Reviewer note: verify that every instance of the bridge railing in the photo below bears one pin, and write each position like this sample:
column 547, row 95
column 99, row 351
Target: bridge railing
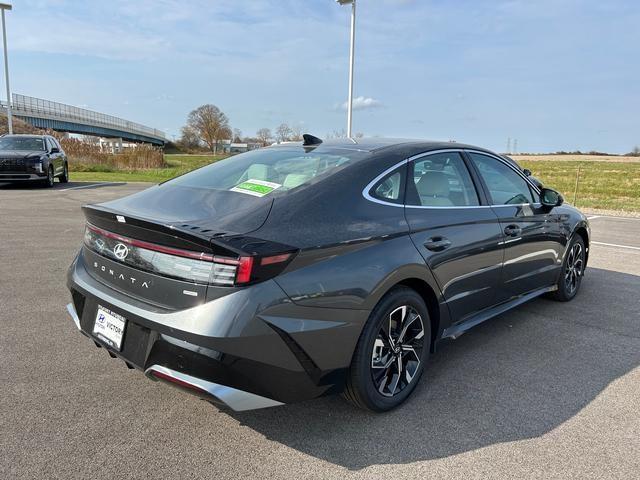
column 47, row 108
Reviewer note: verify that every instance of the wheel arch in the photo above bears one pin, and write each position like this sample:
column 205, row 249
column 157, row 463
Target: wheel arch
column 431, row 300
column 581, row 228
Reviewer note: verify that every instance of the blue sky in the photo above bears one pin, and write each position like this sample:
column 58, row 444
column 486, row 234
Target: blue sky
column 555, row 74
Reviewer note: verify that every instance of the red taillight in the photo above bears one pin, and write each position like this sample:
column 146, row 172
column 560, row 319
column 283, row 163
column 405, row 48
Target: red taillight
column 243, row 271
column 275, row 259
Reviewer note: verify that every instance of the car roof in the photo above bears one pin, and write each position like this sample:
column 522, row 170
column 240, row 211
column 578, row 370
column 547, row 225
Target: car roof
column 374, row 144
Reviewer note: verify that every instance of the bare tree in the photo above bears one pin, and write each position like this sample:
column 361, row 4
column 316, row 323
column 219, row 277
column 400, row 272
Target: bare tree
column 189, row 139
column 283, row 132
column 338, row 134
column 237, row 135
column 210, row 124
column 264, row 135
column 296, row 133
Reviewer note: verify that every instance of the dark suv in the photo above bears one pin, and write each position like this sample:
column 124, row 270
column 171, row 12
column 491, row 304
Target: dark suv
column 32, row 158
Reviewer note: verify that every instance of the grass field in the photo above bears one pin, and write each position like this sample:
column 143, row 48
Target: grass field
column 606, row 183
column 177, row 165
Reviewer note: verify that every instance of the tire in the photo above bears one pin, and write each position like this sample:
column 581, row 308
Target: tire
column 372, row 381
column 64, row 178
column 48, row 182
column 572, row 271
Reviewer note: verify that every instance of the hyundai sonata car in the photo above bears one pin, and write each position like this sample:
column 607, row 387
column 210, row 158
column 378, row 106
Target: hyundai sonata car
column 296, row 271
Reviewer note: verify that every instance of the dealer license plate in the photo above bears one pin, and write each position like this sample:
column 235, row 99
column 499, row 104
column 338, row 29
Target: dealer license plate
column 109, row 327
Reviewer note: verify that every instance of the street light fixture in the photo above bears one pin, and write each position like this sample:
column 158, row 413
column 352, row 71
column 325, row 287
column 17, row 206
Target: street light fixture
column 351, row 56
column 3, row 7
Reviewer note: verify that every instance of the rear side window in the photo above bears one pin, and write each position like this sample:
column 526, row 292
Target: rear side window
column 390, row 188
column 271, row 170
column 505, row 186
column 441, row 180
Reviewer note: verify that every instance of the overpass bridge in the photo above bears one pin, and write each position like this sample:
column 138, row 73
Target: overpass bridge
column 66, row 118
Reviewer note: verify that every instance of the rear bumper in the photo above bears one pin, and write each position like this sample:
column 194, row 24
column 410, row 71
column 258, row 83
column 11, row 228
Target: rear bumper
column 250, row 349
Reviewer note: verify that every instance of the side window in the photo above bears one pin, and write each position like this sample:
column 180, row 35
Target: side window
column 441, row 180
column 505, row 186
column 390, row 188
column 47, row 144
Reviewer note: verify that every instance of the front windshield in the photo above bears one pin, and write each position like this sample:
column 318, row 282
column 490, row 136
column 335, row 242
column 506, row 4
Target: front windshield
column 262, row 171
column 22, row 143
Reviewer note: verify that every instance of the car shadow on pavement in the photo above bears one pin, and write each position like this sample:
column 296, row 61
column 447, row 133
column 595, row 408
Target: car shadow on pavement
column 512, row 378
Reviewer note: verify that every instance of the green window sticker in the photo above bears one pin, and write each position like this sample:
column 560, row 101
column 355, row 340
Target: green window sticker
column 257, row 188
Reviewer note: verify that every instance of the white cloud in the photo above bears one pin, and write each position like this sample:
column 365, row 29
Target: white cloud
column 362, row 103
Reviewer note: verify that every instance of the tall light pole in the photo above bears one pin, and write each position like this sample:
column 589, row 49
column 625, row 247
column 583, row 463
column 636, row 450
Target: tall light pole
column 3, row 7
column 351, row 57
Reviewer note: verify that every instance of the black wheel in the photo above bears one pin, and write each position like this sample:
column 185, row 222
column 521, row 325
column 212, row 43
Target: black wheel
column 64, row 178
column 48, row 182
column 391, row 353
column 572, row 271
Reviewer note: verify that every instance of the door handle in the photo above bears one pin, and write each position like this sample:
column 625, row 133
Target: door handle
column 437, row 244
column 512, row 230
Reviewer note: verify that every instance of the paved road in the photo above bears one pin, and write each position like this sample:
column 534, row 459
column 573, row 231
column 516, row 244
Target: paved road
column 546, row 391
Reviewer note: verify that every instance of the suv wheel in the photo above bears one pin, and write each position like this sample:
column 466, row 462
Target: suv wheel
column 572, row 271
column 48, row 182
column 391, row 353
column 64, row 178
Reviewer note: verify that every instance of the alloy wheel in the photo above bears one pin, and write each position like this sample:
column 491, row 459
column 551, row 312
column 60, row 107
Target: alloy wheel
column 573, row 268
column 397, row 351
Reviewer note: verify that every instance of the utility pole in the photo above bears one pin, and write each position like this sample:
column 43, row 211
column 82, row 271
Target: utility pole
column 351, row 60
column 3, row 7
column 509, row 145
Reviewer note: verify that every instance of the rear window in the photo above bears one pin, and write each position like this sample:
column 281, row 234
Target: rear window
column 269, row 171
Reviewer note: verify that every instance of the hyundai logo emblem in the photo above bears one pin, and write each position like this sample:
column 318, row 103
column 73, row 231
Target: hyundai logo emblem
column 121, row 251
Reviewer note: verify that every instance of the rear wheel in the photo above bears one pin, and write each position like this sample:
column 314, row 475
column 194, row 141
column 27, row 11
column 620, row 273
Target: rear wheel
column 572, row 271
column 64, row 178
column 391, row 353
column 48, row 182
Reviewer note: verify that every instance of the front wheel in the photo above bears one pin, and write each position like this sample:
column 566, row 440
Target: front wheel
column 572, row 271
column 391, row 353
column 64, row 178
column 48, row 182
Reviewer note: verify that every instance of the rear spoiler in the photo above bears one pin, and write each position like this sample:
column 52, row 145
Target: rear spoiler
column 191, row 237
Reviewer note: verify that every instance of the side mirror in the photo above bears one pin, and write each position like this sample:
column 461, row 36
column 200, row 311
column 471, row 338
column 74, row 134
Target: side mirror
column 527, row 172
column 550, row 198
column 55, row 150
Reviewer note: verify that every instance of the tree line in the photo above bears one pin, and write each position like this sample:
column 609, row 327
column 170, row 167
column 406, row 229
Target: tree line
column 207, row 126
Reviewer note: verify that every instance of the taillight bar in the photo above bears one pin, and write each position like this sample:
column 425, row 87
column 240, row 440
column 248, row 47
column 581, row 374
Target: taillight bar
column 162, row 249
column 247, row 268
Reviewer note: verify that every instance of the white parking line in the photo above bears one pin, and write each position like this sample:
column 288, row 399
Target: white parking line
column 595, row 216
column 615, row 245
column 98, row 184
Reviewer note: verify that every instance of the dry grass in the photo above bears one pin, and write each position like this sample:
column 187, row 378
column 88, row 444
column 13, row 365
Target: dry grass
column 87, row 157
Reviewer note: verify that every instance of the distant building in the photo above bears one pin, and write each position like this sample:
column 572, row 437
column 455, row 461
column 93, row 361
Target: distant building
column 227, row 146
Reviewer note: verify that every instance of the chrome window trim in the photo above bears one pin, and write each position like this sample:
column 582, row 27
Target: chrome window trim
column 370, row 185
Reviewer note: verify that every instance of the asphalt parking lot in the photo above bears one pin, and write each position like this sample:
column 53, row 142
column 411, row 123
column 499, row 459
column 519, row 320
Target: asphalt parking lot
column 548, row 390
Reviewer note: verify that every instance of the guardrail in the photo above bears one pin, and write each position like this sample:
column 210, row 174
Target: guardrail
column 25, row 105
